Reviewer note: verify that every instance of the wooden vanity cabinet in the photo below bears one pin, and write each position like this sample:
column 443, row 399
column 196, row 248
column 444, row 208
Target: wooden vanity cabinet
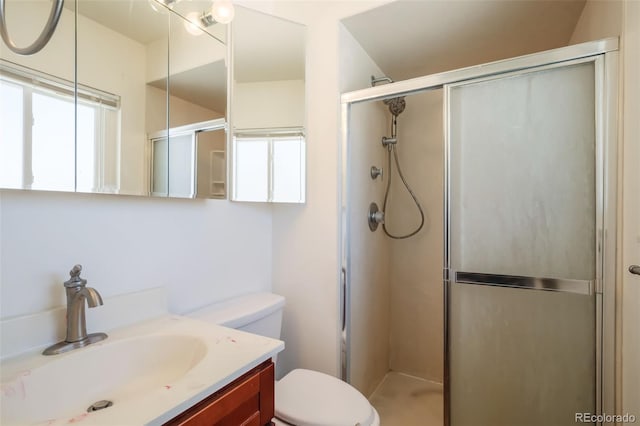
column 247, row 401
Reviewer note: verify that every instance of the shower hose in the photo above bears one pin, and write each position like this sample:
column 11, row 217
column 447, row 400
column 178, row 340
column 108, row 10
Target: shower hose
column 392, row 149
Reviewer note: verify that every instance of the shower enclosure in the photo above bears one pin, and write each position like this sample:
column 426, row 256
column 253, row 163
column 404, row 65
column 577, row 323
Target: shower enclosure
column 514, row 310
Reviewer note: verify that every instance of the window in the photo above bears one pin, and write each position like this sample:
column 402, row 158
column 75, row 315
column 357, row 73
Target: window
column 269, row 167
column 49, row 141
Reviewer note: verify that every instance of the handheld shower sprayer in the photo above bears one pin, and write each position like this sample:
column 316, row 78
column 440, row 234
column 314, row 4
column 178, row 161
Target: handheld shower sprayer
column 396, row 107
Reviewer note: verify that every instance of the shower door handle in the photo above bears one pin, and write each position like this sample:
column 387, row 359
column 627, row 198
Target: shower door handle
column 343, row 297
column 634, row 269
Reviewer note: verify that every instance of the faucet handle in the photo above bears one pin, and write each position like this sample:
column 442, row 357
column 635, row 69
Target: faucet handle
column 75, row 280
column 75, row 271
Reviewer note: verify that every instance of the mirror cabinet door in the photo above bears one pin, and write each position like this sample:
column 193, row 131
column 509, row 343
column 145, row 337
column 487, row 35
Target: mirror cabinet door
column 197, row 105
column 37, row 111
column 268, row 108
column 122, row 49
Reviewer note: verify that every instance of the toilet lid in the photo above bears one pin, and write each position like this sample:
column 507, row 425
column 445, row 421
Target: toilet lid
column 311, row 398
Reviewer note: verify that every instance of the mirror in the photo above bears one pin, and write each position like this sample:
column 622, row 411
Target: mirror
column 145, row 76
column 30, row 87
column 142, row 72
column 268, row 108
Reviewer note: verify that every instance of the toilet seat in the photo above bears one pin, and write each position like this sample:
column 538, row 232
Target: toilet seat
column 311, row 398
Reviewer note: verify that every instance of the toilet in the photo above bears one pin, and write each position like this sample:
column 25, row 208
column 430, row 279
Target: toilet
column 302, row 397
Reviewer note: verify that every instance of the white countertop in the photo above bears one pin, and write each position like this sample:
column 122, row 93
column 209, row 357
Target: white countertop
column 229, row 354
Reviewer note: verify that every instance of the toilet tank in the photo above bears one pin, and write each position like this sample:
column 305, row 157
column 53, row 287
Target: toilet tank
column 258, row 313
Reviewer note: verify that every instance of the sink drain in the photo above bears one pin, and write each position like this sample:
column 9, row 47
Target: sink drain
column 100, row 405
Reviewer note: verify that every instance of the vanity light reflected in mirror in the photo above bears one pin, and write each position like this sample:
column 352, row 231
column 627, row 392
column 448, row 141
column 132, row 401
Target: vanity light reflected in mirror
column 221, row 12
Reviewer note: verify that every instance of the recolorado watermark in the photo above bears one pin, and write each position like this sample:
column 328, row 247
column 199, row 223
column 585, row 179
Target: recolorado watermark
column 604, row 418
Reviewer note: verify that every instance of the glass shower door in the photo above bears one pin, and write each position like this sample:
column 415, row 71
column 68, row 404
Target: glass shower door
column 522, row 261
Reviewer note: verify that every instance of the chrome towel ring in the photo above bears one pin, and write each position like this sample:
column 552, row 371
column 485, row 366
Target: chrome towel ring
column 43, row 38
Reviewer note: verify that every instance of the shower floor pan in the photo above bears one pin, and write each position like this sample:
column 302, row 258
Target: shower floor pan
column 403, row 400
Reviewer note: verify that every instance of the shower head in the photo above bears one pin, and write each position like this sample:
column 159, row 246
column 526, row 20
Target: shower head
column 396, row 105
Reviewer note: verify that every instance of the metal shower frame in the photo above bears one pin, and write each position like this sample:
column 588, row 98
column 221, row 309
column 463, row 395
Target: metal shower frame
column 605, row 53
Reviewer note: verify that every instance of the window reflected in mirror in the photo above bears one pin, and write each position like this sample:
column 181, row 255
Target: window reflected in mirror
column 268, row 108
column 269, row 167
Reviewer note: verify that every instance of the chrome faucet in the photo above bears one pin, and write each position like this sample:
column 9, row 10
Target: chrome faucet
column 77, row 293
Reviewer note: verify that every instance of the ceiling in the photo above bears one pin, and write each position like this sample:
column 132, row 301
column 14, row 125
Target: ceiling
column 266, row 48
column 138, row 20
column 411, row 38
column 204, row 85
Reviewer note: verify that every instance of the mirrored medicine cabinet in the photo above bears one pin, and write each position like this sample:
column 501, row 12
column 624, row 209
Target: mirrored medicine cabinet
column 130, row 97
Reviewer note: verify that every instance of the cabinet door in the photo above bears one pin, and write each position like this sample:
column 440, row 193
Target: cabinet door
column 248, row 401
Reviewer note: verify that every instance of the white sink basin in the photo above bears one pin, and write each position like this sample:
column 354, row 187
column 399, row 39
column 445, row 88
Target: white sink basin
column 151, row 371
column 117, row 370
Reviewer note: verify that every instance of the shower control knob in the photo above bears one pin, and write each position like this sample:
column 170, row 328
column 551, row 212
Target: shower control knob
column 375, row 172
column 374, row 217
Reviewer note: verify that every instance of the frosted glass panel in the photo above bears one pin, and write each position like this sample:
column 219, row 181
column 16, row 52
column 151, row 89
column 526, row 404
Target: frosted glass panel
column 523, row 174
column 174, row 167
column 181, row 166
column 288, row 170
column 520, row 357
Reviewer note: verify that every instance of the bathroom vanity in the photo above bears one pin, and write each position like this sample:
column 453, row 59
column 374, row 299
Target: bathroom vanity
column 165, row 370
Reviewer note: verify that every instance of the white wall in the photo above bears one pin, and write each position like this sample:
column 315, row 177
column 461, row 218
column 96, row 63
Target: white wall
column 599, row 19
column 306, row 259
column 200, row 250
column 368, row 265
column 182, row 112
column 265, row 104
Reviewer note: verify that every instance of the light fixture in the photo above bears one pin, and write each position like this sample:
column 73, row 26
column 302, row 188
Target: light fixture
column 222, row 11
